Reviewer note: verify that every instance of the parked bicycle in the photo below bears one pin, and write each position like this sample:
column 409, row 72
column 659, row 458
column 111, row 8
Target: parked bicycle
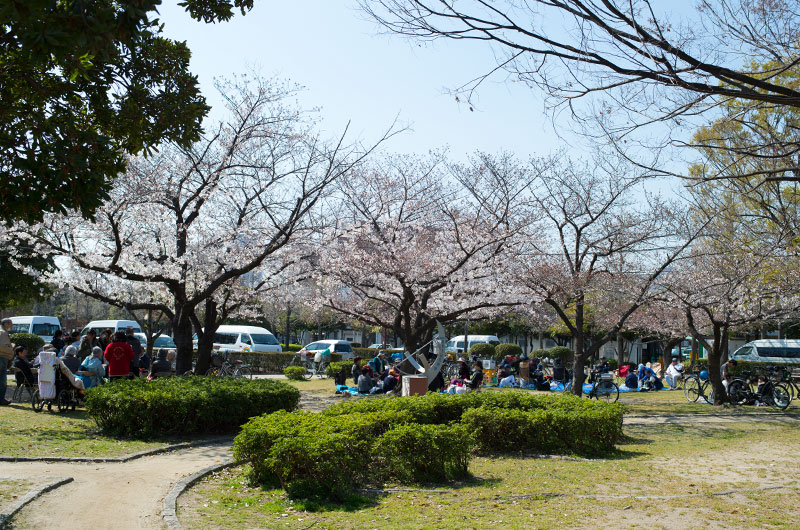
column 312, row 366
column 222, row 367
column 697, row 386
column 603, row 387
column 740, row 392
column 785, row 378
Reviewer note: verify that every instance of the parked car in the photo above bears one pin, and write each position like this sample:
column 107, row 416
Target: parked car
column 338, row 346
column 456, row 344
column 116, row 325
column 45, row 327
column 379, row 346
column 162, row 341
column 355, row 344
column 245, row 338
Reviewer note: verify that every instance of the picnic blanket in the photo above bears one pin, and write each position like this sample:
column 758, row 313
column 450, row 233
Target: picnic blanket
column 353, row 390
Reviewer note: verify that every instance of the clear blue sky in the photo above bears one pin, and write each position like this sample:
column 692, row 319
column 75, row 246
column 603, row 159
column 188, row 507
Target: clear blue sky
column 354, row 73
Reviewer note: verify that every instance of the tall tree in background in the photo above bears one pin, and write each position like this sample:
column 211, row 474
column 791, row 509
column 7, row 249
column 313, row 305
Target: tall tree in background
column 605, row 247
column 415, row 247
column 196, row 231
column 82, row 83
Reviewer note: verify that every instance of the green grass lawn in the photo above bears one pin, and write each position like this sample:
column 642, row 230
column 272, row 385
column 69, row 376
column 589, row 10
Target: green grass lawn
column 323, row 387
column 679, row 467
column 24, row 432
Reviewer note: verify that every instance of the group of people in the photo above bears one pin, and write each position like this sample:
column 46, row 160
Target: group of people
column 374, row 377
column 91, row 359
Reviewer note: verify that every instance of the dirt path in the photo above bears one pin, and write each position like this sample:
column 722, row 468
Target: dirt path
column 112, row 495
column 682, row 419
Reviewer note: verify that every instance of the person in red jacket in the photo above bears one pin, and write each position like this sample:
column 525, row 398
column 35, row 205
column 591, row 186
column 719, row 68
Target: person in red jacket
column 119, row 355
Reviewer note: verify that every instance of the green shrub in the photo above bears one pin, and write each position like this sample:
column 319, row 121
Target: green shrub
column 295, row 373
column 482, row 349
column 560, row 352
column 539, row 354
column 311, row 456
column 185, row 405
column 294, row 347
column 336, row 367
column 32, row 342
column 419, row 439
column 502, row 350
column 613, row 364
column 426, row 453
column 369, row 353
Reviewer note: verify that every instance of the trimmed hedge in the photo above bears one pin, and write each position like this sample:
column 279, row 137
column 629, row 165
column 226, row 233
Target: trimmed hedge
column 539, row 354
column 560, row 352
column 336, row 367
column 185, row 405
column 33, row 342
column 295, row 373
column 420, row 439
column 369, row 353
column 503, row 350
column 482, row 349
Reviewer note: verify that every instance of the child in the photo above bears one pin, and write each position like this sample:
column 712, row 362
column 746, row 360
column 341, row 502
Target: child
column 762, row 391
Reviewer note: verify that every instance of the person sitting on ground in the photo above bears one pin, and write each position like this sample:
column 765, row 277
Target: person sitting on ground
column 70, row 359
column 91, row 370
column 365, row 380
column 559, row 372
column 727, row 372
column 463, row 370
column 763, row 397
column 390, row 381
column 356, row 370
column 87, row 344
column 674, row 373
column 58, row 342
column 161, row 365
column 632, row 380
column 477, row 376
column 24, row 368
column 505, row 378
column 648, row 380
column 119, row 355
column 171, row 358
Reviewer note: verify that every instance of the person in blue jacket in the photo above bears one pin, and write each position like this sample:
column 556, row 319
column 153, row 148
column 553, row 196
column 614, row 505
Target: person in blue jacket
column 648, row 379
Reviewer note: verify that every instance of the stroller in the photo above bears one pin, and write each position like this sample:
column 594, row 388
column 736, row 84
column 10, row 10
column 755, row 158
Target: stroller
column 56, row 385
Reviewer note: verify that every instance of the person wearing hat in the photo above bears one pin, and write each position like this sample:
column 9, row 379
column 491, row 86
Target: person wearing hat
column 87, row 344
column 379, row 364
column 6, row 354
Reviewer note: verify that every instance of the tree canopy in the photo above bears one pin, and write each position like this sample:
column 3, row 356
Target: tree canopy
column 83, row 83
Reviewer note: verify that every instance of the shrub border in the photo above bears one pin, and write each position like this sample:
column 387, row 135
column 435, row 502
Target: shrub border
column 31, row 496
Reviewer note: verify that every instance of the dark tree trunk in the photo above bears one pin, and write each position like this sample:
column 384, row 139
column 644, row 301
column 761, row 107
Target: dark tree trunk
column 182, row 332
column 714, row 365
column 580, row 354
column 620, row 349
column 205, row 337
column 287, row 340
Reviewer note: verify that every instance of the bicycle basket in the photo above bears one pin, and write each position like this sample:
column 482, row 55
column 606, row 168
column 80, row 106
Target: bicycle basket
column 606, row 377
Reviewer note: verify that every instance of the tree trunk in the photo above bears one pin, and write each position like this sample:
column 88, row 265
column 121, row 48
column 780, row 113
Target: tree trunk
column 288, row 325
column 541, row 339
column 579, row 362
column 714, row 365
column 620, row 349
column 205, row 338
column 182, row 335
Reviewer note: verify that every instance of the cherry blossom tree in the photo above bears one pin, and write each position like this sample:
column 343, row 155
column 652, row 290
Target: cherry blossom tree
column 200, row 232
column 415, row 245
column 608, row 243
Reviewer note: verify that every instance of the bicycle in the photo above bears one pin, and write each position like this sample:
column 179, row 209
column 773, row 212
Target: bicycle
column 604, row 387
column 222, row 367
column 740, row 392
column 785, row 378
column 313, row 368
column 695, row 388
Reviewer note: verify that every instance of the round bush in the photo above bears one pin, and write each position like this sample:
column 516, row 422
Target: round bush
column 503, row 350
column 482, row 349
column 32, row 342
column 336, row 367
column 560, row 352
column 185, row 405
column 295, row 373
column 539, row 354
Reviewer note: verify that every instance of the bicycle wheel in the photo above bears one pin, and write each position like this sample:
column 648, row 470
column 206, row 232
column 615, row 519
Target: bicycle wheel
column 243, row 372
column 691, row 389
column 62, row 401
column 781, row 396
column 738, row 393
column 36, row 401
column 607, row 391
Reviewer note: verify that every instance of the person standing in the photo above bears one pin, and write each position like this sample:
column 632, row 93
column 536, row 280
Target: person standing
column 6, row 354
column 119, row 356
column 87, row 344
column 356, row 370
column 58, row 342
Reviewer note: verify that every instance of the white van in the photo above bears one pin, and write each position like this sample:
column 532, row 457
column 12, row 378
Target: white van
column 116, row 325
column 245, row 338
column 456, row 344
column 45, row 327
column 775, row 351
